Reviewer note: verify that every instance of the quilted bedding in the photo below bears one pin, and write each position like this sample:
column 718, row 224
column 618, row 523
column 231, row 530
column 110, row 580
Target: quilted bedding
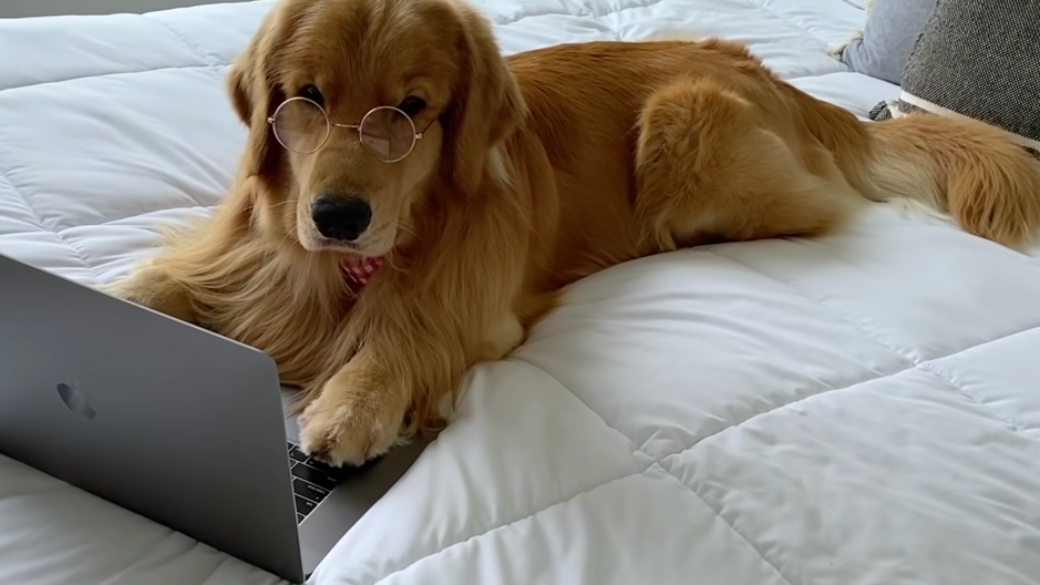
column 862, row 409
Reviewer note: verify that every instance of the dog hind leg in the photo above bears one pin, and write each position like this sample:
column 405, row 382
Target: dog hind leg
column 711, row 166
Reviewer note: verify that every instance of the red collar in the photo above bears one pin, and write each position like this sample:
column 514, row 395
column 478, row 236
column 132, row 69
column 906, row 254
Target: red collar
column 358, row 270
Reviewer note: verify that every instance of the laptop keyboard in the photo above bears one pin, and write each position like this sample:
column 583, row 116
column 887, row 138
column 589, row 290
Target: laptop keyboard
column 312, row 481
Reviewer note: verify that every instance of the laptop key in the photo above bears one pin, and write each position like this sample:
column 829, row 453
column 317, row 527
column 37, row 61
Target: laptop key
column 304, row 506
column 309, row 491
column 320, row 466
column 311, row 475
column 297, row 455
column 299, row 518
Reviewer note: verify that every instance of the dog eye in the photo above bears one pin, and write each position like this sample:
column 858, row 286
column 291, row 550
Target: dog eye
column 412, row 106
column 312, row 93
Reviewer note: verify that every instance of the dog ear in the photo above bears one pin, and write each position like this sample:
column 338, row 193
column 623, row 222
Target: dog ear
column 254, row 95
column 487, row 106
column 239, row 84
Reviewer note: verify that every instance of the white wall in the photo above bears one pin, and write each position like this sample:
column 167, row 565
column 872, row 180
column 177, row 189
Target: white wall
column 19, row 8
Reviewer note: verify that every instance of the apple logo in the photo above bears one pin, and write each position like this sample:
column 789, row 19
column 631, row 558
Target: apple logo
column 76, row 400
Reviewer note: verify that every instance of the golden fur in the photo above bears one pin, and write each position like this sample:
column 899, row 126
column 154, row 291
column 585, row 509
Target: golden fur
column 537, row 170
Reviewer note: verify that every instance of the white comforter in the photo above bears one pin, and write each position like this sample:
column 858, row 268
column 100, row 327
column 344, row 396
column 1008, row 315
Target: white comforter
column 862, row 409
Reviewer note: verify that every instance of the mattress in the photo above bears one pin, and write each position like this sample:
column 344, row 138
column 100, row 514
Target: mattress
column 859, row 409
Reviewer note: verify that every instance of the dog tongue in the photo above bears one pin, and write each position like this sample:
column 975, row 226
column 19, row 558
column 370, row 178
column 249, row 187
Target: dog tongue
column 359, row 269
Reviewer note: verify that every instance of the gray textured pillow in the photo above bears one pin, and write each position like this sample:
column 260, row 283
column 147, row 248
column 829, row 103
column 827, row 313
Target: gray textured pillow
column 980, row 59
column 889, row 35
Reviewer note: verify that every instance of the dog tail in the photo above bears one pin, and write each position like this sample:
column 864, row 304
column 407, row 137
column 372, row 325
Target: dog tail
column 954, row 168
column 988, row 183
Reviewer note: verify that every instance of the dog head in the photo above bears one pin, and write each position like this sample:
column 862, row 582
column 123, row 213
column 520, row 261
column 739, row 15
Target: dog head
column 356, row 108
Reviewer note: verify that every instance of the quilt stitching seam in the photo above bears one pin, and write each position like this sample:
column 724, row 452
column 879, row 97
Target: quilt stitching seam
column 729, row 525
column 196, row 210
column 839, row 315
column 778, row 16
column 636, row 448
column 216, row 67
column 208, row 58
column 1015, row 425
column 506, row 525
column 866, row 333
column 580, row 12
column 80, row 255
column 924, row 366
column 795, row 402
column 670, row 454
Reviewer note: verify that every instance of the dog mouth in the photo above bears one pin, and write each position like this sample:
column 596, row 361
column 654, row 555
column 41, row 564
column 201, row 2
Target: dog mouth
column 325, row 244
column 321, row 244
column 369, row 246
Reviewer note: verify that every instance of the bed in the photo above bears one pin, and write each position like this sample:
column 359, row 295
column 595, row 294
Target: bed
column 860, row 409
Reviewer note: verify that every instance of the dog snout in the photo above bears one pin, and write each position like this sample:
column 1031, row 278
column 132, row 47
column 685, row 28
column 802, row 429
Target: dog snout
column 341, row 217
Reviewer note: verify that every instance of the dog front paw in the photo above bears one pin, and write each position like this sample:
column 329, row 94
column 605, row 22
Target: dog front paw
column 153, row 288
column 350, row 425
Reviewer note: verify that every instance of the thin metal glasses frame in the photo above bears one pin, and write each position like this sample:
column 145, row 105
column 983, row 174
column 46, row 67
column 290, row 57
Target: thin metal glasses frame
column 329, row 124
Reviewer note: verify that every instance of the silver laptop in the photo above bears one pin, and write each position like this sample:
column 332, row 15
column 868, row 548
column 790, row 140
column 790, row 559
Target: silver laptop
column 178, row 424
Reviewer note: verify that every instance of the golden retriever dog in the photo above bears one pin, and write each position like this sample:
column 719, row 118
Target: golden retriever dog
column 410, row 202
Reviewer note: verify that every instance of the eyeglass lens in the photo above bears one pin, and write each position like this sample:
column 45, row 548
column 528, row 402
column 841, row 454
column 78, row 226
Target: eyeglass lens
column 301, row 126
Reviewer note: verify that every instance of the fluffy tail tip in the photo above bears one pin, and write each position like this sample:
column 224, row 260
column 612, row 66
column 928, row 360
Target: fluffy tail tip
column 998, row 197
column 987, row 182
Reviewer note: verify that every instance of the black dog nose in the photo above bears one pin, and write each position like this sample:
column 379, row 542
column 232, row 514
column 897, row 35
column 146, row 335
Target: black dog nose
column 341, row 218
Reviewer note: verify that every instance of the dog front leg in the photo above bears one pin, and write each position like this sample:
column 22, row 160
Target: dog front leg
column 153, row 287
column 359, row 412
column 403, row 379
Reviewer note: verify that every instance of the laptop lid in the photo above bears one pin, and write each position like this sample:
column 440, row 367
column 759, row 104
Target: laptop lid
column 168, row 420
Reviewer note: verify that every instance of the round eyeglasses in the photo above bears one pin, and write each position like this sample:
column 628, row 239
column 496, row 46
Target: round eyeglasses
column 303, row 127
